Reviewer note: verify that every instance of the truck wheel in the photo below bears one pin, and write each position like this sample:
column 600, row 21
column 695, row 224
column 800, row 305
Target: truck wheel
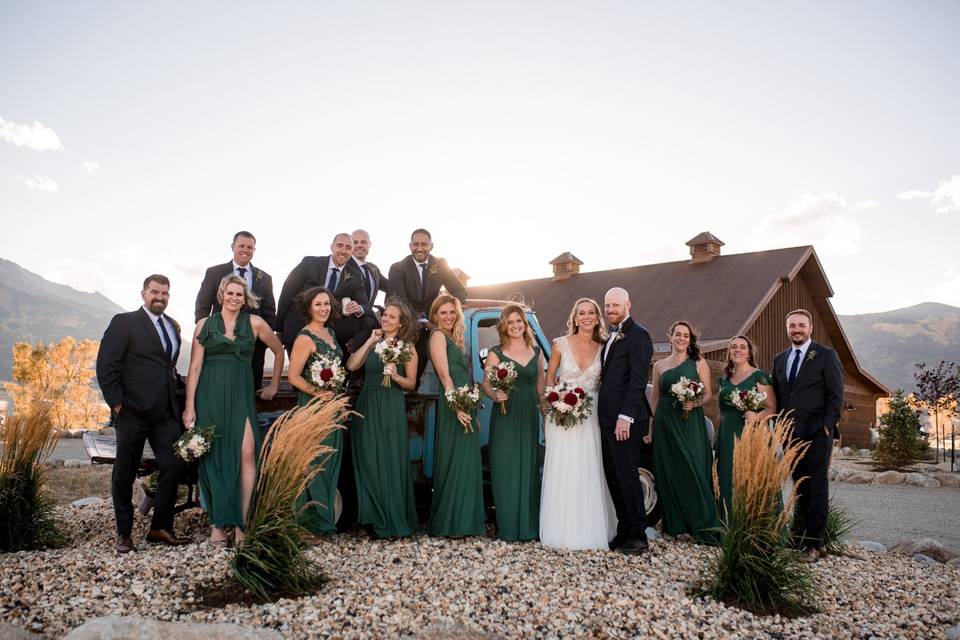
column 651, row 501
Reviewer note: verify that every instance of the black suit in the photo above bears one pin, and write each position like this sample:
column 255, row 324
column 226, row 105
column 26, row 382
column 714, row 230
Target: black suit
column 405, row 283
column 134, row 373
column 623, row 385
column 312, row 272
column 815, row 400
column 262, row 287
column 374, row 281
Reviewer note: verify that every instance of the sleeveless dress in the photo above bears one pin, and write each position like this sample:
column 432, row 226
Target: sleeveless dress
column 225, row 399
column 683, row 463
column 576, row 510
column 457, row 507
column 514, row 451
column 320, row 517
column 731, row 426
column 381, row 455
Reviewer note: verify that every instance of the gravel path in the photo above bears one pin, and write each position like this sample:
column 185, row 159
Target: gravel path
column 437, row 588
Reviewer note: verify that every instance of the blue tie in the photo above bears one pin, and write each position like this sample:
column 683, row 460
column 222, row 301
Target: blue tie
column 366, row 281
column 334, row 274
column 167, row 345
column 793, row 368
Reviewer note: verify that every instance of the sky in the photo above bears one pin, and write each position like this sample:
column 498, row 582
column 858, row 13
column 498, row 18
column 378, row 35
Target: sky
column 138, row 137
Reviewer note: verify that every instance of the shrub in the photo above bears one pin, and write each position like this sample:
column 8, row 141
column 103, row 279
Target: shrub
column 836, row 531
column 900, row 442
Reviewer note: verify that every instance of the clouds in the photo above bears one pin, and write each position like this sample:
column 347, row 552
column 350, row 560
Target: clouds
column 33, row 136
column 90, row 167
column 945, row 198
column 826, row 221
column 38, row 183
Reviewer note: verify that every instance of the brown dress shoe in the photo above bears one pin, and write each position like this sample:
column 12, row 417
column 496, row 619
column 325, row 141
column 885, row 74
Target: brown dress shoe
column 125, row 544
column 810, row 555
column 165, row 537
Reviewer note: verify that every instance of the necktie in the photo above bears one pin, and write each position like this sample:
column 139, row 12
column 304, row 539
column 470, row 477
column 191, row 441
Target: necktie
column 610, row 341
column 243, row 272
column 167, row 345
column 423, row 281
column 793, row 367
column 366, row 281
column 334, row 276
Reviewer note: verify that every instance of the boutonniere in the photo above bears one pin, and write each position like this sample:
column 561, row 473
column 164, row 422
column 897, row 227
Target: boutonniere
column 433, row 270
column 346, row 276
column 618, row 336
column 259, row 276
column 811, row 354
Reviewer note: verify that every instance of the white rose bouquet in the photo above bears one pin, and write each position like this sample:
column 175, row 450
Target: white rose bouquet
column 569, row 405
column 194, row 443
column 687, row 390
column 466, row 399
column 392, row 351
column 326, row 373
column 748, row 399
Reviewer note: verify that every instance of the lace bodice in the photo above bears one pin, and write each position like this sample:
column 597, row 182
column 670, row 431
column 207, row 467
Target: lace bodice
column 569, row 371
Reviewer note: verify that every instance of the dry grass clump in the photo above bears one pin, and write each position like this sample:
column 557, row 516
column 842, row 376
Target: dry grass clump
column 754, row 567
column 271, row 559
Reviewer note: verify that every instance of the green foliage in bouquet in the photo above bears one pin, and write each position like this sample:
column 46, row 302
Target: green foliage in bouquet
column 900, row 443
column 272, row 558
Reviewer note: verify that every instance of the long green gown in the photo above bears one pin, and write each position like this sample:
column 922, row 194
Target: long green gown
column 225, row 399
column 457, row 508
column 320, row 517
column 381, row 455
column 514, row 440
column 731, row 426
column 683, row 463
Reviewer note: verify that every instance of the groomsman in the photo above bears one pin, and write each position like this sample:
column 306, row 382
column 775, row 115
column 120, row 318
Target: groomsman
column 342, row 277
column 136, row 371
column 808, row 380
column 417, row 280
column 258, row 281
column 373, row 278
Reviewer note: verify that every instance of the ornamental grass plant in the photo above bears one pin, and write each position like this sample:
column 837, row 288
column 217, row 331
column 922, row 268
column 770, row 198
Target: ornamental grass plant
column 27, row 519
column 754, row 568
column 272, row 558
column 836, row 531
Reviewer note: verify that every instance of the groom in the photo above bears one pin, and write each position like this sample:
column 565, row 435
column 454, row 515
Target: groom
column 624, row 415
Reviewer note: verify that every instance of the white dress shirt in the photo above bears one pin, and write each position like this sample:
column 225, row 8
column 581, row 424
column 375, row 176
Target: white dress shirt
column 793, row 356
column 606, row 351
column 248, row 275
column 171, row 332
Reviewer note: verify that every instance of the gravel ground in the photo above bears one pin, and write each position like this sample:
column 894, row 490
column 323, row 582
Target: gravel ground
column 433, row 588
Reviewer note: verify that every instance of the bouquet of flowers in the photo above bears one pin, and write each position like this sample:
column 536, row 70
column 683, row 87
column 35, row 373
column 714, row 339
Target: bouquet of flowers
column 569, row 405
column 325, row 373
column 502, row 378
column 685, row 390
column 465, row 398
column 748, row 399
column 194, row 443
column 392, row 350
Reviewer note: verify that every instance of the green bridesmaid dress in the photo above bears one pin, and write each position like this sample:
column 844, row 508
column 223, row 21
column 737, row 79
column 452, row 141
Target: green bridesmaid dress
column 683, row 463
column 731, row 426
column 381, row 455
column 225, row 399
column 514, row 448
column 320, row 517
column 457, row 508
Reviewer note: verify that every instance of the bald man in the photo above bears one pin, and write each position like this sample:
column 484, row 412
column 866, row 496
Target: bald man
column 373, row 278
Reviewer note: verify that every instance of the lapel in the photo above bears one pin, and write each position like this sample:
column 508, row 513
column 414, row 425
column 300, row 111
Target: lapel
column 806, row 364
column 152, row 331
column 414, row 273
column 624, row 328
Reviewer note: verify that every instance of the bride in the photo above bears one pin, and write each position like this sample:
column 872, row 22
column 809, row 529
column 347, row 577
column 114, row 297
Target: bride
column 576, row 511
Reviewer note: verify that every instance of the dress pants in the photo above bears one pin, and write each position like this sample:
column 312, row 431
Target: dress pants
column 813, row 493
column 621, row 459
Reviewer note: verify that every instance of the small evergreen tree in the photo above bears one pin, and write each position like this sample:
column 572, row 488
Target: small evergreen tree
column 900, row 442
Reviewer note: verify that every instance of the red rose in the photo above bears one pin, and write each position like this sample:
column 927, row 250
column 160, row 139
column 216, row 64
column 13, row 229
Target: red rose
column 571, row 399
column 326, row 374
column 580, row 392
column 553, row 396
column 502, row 373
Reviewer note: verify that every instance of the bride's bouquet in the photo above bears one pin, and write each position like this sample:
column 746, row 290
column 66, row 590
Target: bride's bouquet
column 687, row 390
column 502, row 377
column 569, row 405
column 748, row 399
column 466, row 399
column 392, row 351
column 194, row 443
column 326, row 373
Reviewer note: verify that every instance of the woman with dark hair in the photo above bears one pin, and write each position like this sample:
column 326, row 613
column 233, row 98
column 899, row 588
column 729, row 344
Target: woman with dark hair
column 220, row 394
column 514, row 434
column 381, row 454
column 740, row 377
column 457, row 508
column 318, row 305
column 682, row 456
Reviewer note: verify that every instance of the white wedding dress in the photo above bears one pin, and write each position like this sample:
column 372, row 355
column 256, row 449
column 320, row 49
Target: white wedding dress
column 576, row 511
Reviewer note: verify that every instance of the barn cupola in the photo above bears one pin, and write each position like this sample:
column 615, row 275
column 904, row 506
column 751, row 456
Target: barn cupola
column 704, row 247
column 565, row 265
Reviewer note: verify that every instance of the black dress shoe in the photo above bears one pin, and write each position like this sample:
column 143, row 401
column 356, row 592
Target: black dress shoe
column 616, row 542
column 125, row 544
column 163, row 536
column 633, row 547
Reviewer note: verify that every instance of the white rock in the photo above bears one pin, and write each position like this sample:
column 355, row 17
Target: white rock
column 870, row 545
column 864, row 453
column 948, row 479
column 927, row 547
column 73, row 462
column 845, row 451
column 134, row 628
column 84, row 502
column 890, row 477
column 919, row 557
column 861, row 477
column 652, row 534
column 920, row 480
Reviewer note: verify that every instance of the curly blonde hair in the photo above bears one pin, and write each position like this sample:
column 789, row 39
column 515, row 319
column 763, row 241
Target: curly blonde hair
column 250, row 300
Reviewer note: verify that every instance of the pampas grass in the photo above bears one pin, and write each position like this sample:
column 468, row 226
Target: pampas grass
column 26, row 510
column 754, row 567
column 271, row 559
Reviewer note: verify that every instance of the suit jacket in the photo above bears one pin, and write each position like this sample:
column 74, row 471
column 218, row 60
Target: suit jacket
column 816, row 396
column 404, row 282
column 312, row 272
column 262, row 287
column 623, row 378
column 379, row 282
column 133, row 369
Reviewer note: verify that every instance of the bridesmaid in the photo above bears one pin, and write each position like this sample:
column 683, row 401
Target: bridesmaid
column 740, row 374
column 514, row 437
column 457, row 508
column 220, row 394
column 682, row 457
column 317, row 304
column 381, row 455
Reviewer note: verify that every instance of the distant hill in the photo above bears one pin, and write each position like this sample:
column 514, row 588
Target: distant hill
column 890, row 343
column 33, row 309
